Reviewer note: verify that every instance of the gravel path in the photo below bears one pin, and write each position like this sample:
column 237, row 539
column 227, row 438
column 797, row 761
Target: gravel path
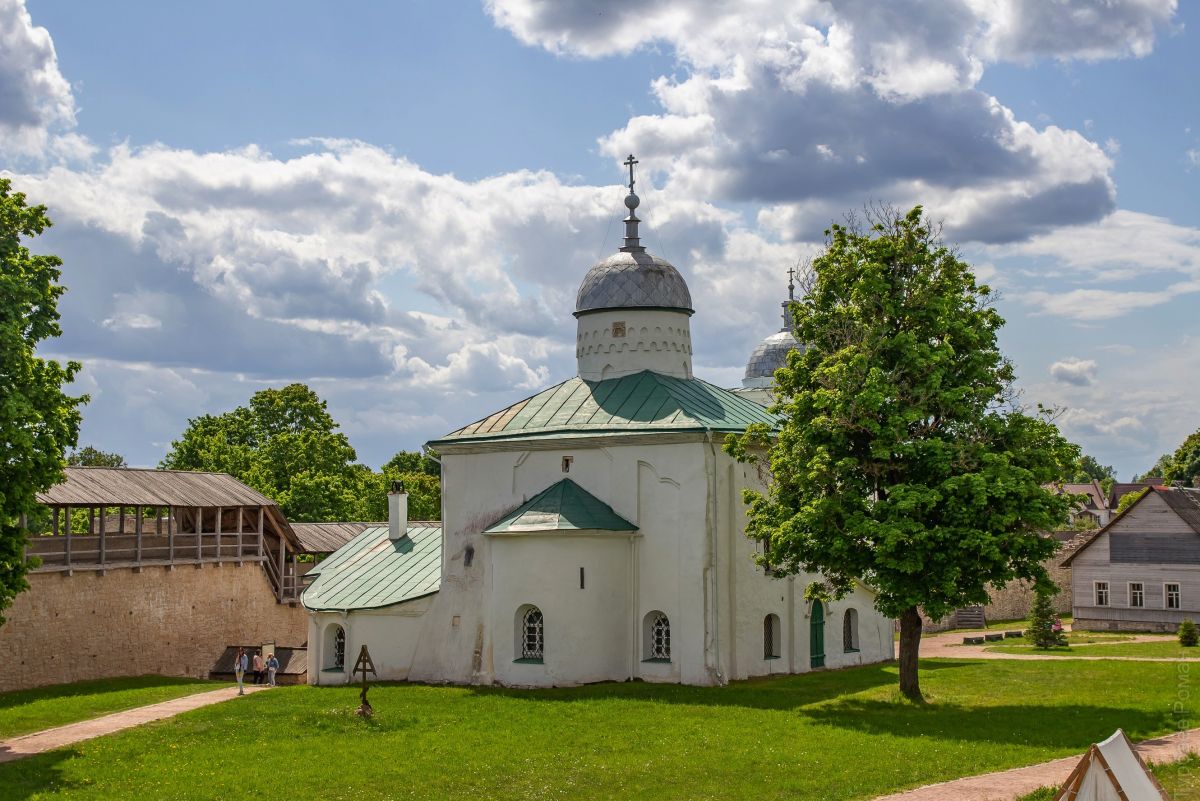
column 48, row 740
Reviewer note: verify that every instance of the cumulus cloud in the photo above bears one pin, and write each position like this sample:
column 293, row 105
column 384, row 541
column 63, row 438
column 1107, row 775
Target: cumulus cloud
column 816, row 107
column 1080, row 372
column 35, row 98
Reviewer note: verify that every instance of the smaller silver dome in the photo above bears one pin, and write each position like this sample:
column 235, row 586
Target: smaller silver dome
column 769, row 356
column 635, row 280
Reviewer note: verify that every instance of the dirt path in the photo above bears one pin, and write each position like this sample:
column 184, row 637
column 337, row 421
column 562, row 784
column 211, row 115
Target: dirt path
column 36, row 743
column 1007, row 785
column 948, row 645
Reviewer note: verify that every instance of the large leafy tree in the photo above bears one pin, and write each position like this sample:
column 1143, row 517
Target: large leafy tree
column 1087, row 467
column 901, row 460
column 286, row 445
column 87, row 456
column 1184, row 464
column 38, row 421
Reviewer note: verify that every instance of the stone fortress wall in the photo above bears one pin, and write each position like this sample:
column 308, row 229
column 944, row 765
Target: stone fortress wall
column 121, row 622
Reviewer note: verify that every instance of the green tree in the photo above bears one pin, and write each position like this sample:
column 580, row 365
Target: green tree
column 1157, row 470
column 900, row 459
column 38, row 421
column 413, row 462
column 1129, row 498
column 286, row 445
column 424, row 495
column 1184, row 465
column 1041, row 623
column 1189, row 636
column 87, row 456
column 1086, row 468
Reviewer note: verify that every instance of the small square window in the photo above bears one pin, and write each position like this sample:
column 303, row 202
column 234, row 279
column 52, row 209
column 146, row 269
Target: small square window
column 1101, row 593
column 618, row 329
column 1174, row 599
column 1137, row 594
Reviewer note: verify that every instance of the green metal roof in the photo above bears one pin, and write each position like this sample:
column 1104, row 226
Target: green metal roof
column 642, row 402
column 564, row 506
column 371, row 571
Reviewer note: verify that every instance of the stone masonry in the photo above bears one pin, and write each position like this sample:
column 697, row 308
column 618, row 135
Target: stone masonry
column 122, row 622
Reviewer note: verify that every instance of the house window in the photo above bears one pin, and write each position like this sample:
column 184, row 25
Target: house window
column 850, row 631
column 1173, row 598
column 339, row 648
column 532, row 634
column 1101, row 593
column 657, row 637
column 1137, row 594
column 771, row 637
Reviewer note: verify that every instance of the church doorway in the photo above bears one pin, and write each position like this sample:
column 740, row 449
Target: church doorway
column 816, row 639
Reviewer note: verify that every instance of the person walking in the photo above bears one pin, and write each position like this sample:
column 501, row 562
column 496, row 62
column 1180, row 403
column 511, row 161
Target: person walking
column 258, row 667
column 272, row 666
column 239, row 669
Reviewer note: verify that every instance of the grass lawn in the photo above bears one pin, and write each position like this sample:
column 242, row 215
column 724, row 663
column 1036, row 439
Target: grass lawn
column 831, row 735
column 27, row 711
column 1181, row 780
column 1163, row 648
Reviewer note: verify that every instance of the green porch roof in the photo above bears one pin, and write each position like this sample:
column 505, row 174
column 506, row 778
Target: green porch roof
column 371, row 571
column 638, row 403
column 564, row 506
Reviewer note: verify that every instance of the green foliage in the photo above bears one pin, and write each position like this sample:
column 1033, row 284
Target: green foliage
column 1189, row 636
column 1129, row 498
column 1158, row 470
column 1041, row 619
column 286, row 445
column 38, row 421
column 900, row 461
column 88, row 456
column 1087, row 468
column 1184, row 465
column 412, row 462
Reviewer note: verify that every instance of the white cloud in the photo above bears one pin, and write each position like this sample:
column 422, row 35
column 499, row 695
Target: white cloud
column 35, row 98
column 1079, row 372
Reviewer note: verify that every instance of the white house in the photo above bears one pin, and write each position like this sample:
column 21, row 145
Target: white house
column 592, row 532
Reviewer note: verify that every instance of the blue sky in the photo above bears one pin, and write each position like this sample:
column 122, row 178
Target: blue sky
column 395, row 202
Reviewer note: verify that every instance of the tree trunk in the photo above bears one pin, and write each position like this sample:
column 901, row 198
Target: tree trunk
column 910, row 644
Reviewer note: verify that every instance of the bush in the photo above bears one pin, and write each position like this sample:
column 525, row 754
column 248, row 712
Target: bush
column 1189, row 636
column 1041, row 624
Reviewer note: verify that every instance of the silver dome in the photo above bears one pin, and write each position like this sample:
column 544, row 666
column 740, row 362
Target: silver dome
column 770, row 355
column 634, row 280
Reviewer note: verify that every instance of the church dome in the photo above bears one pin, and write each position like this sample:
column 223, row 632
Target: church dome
column 770, row 355
column 633, row 280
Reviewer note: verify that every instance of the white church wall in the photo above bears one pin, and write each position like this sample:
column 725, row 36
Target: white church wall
column 584, row 622
column 392, row 636
column 618, row 342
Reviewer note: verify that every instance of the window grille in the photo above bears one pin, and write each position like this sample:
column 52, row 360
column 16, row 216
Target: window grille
column 1101, row 593
column 533, row 641
column 1137, row 594
column 339, row 649
column 1174, row 597
column 660, row 637
column 850, row 631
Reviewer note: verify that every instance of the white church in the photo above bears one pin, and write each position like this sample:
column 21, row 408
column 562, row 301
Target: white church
column 594, row 531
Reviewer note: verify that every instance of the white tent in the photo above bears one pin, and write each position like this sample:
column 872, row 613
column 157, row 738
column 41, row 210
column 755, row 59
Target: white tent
column 1111, row 771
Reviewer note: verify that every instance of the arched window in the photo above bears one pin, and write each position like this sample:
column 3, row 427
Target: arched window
column 771, row 637
column 657, row 637
column 338, row 648
column 531, row 634
column 850, row 631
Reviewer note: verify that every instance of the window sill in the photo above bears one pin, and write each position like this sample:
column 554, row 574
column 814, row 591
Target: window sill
column 772, row 657
column 851, row 650
column 658, row 660
column 527, row 661
column 332, row 670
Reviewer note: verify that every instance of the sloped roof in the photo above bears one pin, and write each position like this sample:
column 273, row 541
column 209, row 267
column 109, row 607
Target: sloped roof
column 1185, row 502
column 1120, row 490
column 1093, row 491
column 328, row 537
column 564, row 506
column 372, row 571
column 641, row 402
column 134, row 486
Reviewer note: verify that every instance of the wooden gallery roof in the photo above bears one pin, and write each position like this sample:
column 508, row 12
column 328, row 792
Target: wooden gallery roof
column 328, row 537
column 135, row 486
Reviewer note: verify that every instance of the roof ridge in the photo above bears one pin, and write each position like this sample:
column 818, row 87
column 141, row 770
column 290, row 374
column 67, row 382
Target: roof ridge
column 154, row 470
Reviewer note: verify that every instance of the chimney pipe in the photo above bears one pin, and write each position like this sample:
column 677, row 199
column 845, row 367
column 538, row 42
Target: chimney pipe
column 397, row 512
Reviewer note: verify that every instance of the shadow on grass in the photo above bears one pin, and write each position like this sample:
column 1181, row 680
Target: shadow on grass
column 33, row 775
column 783, row 693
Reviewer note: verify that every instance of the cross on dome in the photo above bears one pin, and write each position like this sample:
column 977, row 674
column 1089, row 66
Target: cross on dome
column 632, row 242
column 629, row 162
